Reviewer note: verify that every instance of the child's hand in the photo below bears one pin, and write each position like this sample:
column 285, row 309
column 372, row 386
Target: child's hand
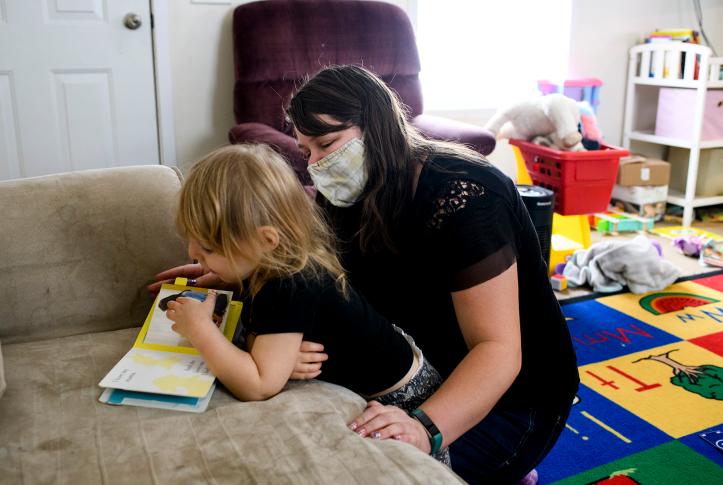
column 191, row 316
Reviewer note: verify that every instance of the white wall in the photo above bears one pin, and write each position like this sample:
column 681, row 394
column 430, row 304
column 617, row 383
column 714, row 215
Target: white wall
column 603, row 32
column 202, row 75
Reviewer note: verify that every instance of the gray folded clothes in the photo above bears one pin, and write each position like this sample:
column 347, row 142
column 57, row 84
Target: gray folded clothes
column 610, row 265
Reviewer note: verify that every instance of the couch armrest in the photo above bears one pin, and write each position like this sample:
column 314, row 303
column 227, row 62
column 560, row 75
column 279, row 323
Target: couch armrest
column 479, row 139
column 280, row 142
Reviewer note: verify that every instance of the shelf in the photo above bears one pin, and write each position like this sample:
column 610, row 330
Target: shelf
column 673, row 142
column 678, row 198
column 676, row 83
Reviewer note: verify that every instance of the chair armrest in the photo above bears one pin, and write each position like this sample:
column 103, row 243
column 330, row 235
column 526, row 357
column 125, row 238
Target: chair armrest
column 444, row 129
column 283, row 144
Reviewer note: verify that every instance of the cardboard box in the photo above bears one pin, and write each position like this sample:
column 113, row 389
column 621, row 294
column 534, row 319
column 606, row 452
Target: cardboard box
column 639, row 170
column 710, row 171
column 640, row 194
column 645, row 201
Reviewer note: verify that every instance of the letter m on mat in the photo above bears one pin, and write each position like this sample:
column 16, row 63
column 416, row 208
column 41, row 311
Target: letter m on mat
column 689, row 317
column 714, row 315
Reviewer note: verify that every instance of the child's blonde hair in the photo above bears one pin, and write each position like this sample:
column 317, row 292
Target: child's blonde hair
column 235, row 190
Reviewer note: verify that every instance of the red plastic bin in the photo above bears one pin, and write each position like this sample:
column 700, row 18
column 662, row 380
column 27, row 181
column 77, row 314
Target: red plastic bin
column 582, row 181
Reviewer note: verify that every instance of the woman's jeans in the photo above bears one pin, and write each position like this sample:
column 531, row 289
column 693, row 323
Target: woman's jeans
column 507, row 445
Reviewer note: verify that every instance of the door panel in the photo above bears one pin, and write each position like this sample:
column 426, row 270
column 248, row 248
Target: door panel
column 77, row 87
column 9, row 156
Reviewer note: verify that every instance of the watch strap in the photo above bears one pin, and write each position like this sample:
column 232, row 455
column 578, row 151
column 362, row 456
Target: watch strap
column 435, row 436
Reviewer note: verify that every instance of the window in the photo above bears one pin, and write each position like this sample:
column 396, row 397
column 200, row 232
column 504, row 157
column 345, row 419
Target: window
column 486, row 54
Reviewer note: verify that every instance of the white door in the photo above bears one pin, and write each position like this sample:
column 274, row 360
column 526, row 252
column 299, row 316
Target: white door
column 77, row 90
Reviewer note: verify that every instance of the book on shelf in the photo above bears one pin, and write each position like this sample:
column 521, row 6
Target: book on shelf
column 674, row 62
column 163, row 369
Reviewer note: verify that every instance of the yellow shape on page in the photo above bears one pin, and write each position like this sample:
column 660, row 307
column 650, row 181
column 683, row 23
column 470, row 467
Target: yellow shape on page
column 166, row 362
column 195, row 386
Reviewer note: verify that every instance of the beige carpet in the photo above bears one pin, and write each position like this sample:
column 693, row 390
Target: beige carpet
column 688, row 265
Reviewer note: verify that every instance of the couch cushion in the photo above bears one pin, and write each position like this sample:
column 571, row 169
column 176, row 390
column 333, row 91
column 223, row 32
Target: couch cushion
column 78, row 249
column 54, row 429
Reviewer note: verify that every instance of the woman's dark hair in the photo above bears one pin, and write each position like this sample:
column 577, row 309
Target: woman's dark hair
column 353, row 96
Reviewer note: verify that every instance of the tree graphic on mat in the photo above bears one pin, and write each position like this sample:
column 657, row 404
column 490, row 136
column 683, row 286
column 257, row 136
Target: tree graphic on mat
column 705, row 380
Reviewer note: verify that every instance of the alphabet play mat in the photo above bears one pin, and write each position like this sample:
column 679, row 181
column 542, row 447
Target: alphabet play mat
column 651, row 371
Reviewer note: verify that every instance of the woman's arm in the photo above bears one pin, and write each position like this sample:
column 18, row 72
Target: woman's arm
column 203, row 278
column 254, row 376
column 488, row 315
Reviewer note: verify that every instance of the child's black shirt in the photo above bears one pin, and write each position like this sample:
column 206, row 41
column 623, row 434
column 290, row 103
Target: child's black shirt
column 365, row 353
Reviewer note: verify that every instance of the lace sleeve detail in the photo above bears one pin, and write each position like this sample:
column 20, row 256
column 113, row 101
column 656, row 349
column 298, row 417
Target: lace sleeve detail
column 453, row 197
column 472, row 231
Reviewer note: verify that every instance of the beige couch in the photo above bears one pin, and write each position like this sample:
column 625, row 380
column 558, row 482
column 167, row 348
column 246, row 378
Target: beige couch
column 78, row 251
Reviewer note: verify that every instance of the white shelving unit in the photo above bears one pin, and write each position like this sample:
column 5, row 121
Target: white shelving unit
column 639, row 121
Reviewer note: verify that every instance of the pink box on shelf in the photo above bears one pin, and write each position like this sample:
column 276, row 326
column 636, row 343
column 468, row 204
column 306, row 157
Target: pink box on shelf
column 676, row 114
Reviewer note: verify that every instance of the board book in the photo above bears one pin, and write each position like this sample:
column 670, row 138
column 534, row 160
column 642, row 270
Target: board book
column 120, row 397
column 162, row 361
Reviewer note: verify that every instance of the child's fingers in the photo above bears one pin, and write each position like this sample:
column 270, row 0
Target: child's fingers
column 171, row 315
column 312, row 357
column 310, row 347
column 308, row 368
column 210, row 300
column 174, row 327
column 304, row 375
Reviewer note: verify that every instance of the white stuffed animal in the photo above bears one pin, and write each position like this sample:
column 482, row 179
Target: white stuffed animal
column 554, row 115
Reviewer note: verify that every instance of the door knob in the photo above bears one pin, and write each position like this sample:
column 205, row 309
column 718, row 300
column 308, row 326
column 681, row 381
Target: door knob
column 132, row 21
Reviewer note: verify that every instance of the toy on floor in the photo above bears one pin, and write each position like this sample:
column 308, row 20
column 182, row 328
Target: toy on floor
column 554, row 115
column 558, row 282
column 690, row 245
column 616, row 222
column 709, row 255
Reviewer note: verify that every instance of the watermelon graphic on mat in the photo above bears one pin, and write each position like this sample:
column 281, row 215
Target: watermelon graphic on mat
column 617, row 478
column 659, row 303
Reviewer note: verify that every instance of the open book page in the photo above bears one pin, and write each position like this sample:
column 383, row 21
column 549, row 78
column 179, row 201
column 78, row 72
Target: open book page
column 159, row 329
column 160, row 372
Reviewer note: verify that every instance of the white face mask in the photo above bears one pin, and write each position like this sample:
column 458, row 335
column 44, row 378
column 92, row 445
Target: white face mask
column 340, row 176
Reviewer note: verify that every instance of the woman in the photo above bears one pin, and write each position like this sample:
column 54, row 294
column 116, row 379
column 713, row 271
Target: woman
column 440, row 243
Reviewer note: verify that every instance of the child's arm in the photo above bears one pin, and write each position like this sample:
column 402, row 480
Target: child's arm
column 254, row 376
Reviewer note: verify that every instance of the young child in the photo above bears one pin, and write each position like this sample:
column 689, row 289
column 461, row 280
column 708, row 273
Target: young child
column 249, row 220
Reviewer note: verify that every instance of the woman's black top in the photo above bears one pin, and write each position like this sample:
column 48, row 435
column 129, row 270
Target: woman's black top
column 467, row 224
column 366, row 354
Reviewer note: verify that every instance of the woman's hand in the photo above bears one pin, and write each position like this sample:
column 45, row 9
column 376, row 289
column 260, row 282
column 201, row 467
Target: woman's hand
column 191, row 316
column 204, row 278
column 383, row 422
column 308, row 364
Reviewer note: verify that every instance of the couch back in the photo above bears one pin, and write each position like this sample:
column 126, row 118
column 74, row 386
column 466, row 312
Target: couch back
column 277, row 43
column 79, row 249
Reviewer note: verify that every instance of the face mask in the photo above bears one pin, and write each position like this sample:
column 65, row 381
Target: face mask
column 340, row 176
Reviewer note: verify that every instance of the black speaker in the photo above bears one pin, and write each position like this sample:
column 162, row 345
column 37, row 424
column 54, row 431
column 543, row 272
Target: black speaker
column 540, row 203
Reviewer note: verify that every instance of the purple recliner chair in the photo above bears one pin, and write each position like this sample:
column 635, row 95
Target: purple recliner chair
column 277, row 43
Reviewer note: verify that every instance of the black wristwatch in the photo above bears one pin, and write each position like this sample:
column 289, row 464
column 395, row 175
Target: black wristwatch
column 435, row 436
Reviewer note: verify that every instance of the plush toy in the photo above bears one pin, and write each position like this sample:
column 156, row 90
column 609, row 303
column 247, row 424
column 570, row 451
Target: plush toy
column 555, row 115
